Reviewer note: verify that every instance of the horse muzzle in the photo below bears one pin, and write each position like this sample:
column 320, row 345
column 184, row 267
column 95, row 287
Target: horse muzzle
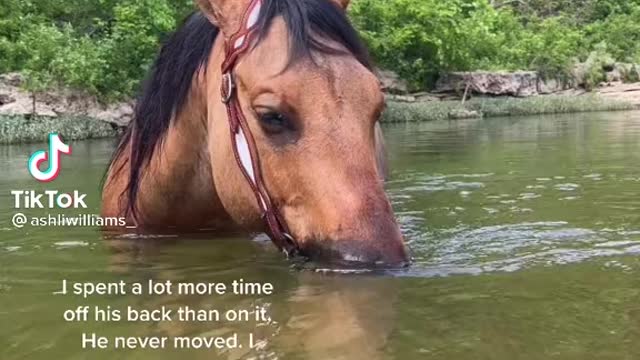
column 383, row 251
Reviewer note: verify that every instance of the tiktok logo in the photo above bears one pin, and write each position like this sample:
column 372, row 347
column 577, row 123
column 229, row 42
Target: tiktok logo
column 56, row 147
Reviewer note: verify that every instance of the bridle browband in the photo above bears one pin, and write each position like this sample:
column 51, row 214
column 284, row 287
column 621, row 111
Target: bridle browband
column 243, row 143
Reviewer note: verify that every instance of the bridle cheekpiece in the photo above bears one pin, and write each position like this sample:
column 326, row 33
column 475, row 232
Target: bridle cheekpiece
column 243, row 143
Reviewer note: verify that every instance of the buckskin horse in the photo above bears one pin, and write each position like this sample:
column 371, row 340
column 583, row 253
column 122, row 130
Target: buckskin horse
column 262, row 115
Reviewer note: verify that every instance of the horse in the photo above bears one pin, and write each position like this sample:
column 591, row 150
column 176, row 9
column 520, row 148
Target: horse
column 305, row 161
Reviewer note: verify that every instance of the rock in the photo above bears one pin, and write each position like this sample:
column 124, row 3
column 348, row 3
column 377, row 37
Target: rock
column 572, row 92
column 118, row 114
column 549, row 86
column 422, row 96
column 631, row 73
column 579, row 74
column 61, row 102
column 425, row 96
column 464, row 114
column 613, row 76
column 521, row 84
column 6, row 99
column 622, row 92
column 400, row 98
column 12, row 79
column 635, row 74
column 392, row 83
column 622, row 72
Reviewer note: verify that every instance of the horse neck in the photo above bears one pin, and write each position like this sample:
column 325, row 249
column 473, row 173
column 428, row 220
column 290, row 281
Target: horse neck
column 181, row 172
column 177, row 177
column 184, row 168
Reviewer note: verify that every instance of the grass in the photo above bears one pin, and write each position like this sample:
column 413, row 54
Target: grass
column 493, row 107
column 18, row 129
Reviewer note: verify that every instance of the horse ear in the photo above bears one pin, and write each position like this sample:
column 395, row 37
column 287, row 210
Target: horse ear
column 227, row 15
column 207, row 10
column 342, row 3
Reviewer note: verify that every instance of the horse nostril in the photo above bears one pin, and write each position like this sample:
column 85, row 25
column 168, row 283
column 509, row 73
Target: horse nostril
column 358, row 253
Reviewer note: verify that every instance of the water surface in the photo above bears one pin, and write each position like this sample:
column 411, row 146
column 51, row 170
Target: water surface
column 525, row 234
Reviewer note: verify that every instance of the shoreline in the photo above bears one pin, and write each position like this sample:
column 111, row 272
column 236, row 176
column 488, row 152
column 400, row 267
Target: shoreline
column 492, row 107
column 20, row 129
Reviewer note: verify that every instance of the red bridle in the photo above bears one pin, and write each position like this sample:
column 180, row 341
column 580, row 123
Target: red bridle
column 244, row 146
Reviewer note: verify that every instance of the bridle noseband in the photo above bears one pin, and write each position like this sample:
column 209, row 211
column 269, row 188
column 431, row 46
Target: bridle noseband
column 243, row 143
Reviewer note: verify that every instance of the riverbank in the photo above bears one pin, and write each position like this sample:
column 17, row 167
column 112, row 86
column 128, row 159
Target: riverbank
column 78, row 116
column 21, row 129
column 461, row 95
column 501, row 106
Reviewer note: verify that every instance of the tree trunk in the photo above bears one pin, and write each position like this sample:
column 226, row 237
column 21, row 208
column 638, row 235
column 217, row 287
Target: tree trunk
column 34, row 104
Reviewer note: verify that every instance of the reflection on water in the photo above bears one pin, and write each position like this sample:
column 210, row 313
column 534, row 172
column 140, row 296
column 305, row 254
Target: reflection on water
column 525, row 234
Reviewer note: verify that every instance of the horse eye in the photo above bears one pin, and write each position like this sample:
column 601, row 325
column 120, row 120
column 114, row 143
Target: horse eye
column 273, row 122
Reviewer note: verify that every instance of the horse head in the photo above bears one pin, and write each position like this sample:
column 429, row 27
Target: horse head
column 312, row 105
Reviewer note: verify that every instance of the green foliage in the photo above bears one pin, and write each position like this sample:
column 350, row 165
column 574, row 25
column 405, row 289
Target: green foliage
column 633, row 74
column 39, row 47
column 580, row 11
column 594, row 67
column 621, row 32
column 133, row 42
column 422, row 39
column 106, row 46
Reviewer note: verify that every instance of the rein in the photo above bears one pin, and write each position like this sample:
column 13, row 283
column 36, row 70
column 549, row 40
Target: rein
column 243, row 143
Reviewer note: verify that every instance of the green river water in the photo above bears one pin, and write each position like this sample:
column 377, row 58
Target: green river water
column 525, row 234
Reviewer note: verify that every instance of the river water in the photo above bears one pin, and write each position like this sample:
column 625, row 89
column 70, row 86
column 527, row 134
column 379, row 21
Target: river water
column 525, row 234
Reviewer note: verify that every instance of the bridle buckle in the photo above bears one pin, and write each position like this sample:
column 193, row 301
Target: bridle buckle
column 228, row 87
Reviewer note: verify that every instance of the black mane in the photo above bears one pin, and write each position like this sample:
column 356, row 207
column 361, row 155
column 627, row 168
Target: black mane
column 169, row 82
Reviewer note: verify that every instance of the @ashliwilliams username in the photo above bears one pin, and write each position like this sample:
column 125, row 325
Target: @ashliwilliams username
column 84, row 220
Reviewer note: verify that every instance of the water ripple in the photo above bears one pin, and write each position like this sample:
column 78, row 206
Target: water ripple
column 513, row 247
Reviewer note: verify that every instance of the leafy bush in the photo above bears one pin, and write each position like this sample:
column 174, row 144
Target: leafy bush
column 422, row 39
column 633, row 75
column 594, row 68
column 105, row 47
column 621, row 32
